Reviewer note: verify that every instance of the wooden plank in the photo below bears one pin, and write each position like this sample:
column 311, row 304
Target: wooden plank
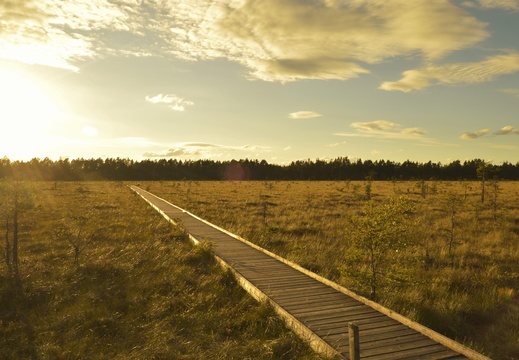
column 298, row 295
column 305, row 310
column 314, row 298
column 332, row 335
column 415, row 353
column 333, row 309
column 394, row 330
column 266, row 279
column 411, row 341
column 282, row 282
column 360, row 315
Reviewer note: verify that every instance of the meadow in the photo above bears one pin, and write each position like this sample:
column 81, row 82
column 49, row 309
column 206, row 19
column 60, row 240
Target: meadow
column 101, row 275
column 452, row 264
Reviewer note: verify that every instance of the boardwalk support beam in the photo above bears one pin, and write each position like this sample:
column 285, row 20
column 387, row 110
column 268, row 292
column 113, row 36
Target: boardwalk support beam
column 353, row 331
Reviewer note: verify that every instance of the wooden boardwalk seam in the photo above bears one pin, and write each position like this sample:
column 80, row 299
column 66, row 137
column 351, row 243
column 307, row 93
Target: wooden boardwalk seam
column 317, row 309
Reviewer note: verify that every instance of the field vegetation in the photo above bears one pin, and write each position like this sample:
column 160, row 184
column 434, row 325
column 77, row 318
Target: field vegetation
column 99, row 274
column 445, row 254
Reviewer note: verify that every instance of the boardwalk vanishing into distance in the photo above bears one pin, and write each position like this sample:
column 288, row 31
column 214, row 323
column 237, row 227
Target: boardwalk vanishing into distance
column 316, row 309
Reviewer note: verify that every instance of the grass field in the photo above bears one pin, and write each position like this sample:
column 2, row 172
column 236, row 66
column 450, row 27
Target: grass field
column 456, row 266
column 135, row 289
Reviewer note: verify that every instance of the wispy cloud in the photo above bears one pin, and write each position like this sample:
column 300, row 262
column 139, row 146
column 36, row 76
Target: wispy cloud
column 206, row 150
column 375, row 126
column 282, row 40
column 507, row 130
column 33, row 32
column 303, row 115
column 174, row 152
column 414, row 131
column 494, row 4
column 387, row 130
column 511, row 91
column 276, row 40
column 506, row 147
column 474, row 135
column 172, row 101
column 336, row 144
column 183, row 150
column 460, row 73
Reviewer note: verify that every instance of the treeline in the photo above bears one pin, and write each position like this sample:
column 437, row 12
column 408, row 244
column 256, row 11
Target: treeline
column 341, row 168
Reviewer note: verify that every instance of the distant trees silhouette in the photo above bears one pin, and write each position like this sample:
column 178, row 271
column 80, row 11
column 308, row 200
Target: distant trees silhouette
column 341, row 168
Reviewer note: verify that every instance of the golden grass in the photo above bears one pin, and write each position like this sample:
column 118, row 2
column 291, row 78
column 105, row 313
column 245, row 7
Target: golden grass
column 139, row 291
column 459, row 273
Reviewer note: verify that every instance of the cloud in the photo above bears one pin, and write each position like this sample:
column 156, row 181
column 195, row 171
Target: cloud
column 336, row 144
column 16, row 10
column 387, row 130
column 172, row 101
column 201, row 145
column 414, row 131
column 494, row 4
column 511, row 91
column 378, row 125
column 507, row 130
column 506, row 147
column 182, row 150
column 174, row 152
column 303, row 115
column 206, row 150
column 283, row 40
column 31, row 32
column 276, row 40
column 474, row 135
column 460, row 73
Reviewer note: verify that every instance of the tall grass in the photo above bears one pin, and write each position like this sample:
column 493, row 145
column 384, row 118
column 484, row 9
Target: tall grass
column 140, row 290
column 459, row 273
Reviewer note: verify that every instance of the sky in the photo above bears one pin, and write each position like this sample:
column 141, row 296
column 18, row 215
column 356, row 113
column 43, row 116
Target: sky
column 274, row 80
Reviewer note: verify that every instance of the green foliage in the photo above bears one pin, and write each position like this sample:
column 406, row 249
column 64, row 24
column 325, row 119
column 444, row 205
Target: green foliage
column 376, row 237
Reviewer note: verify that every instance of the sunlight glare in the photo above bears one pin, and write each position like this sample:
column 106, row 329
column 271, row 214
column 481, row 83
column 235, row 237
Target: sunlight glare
column 27, row 114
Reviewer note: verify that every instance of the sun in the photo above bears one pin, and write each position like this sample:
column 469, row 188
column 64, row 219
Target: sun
column 27, row 115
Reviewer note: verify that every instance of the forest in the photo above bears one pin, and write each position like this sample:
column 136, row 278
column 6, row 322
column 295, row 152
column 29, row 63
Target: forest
column 341, row 168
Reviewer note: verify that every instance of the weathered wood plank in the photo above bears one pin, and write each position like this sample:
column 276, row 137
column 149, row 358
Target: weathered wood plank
column 305, row 310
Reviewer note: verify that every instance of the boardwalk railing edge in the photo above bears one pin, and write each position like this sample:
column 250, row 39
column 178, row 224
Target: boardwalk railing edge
column 299, row 328
column 451, row 344
column 314, row 341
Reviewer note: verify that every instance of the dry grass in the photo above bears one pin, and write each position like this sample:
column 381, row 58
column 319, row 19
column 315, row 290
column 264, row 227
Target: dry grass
column 139, row 291
column 459, row 273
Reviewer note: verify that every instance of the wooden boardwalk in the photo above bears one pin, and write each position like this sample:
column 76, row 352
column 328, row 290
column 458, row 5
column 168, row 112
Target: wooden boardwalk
column 315, row 308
